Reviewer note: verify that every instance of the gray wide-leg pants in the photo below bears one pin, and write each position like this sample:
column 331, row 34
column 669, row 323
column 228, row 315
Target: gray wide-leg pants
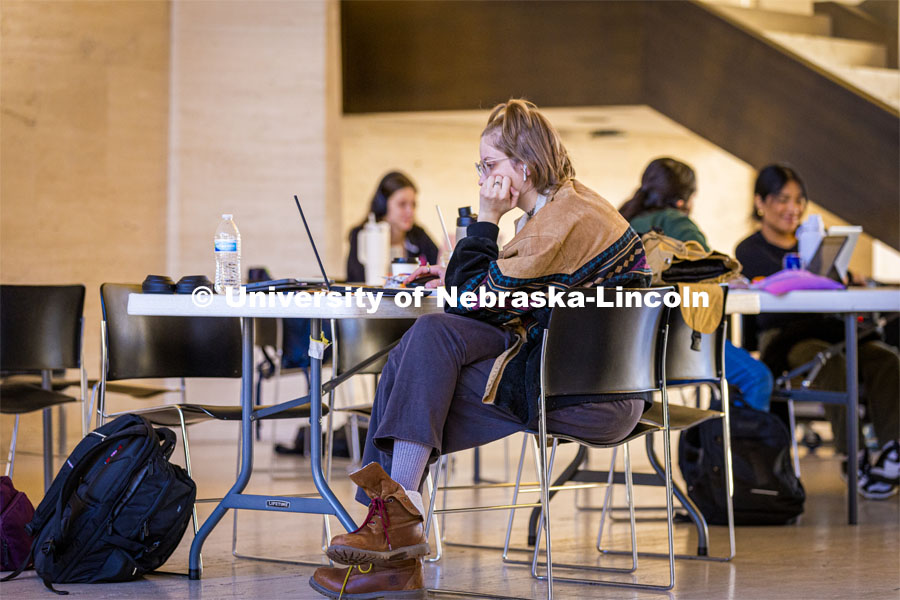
column 430, row 392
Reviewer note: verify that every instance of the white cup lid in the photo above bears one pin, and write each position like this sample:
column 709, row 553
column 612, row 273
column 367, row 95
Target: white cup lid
column 227, row 216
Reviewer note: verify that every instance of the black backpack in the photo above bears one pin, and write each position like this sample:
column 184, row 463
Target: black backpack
column 116, row 510
column 766, row 490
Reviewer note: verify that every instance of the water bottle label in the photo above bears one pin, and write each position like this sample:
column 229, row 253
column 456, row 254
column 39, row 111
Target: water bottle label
column 226, row 245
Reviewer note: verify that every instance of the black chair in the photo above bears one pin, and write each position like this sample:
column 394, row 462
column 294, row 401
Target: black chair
column 619, row 351
column 40, row 335
column 271, row 339
column 687, row 367
column 150, row 347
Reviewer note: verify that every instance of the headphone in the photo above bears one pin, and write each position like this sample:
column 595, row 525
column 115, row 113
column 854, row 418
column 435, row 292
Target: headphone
column 392, row 181
column 379, row 204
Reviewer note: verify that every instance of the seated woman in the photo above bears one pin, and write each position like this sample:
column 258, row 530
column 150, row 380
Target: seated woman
column 394, row 202
column 787, row 341
column 469, row 376
column 665, row 200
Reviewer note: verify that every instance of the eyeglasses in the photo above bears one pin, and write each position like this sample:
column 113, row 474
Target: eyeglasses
column 485, row 166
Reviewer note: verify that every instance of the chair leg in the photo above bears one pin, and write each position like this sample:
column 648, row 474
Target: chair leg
column 11, row 458
column 62, row 442
column 629, row 497
column 448, row 468
column 355, row 454
column 544, row 520
column 667, row 435
column 607, row 497
column 515, row 498
column 48, row 447
column 543, row 467
column 795, row 450
column 187, row 467
column 729, row 467
column 431, row 520
column 90, row 408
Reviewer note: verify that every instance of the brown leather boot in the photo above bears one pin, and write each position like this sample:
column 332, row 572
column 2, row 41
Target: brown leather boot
column 393, row 530
column 365, row 582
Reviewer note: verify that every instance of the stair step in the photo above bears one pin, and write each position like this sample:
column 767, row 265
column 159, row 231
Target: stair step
column 830, row 52
column 884, row 84
column 793, row 7
column 773, row 20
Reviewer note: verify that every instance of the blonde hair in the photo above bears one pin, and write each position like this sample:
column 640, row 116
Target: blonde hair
column 524, row 134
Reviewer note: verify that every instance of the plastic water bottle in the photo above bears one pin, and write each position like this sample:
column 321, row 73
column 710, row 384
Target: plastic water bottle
column 228, row 255
column 374, row 250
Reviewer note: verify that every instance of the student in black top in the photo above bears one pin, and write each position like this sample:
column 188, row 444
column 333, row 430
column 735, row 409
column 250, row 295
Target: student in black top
column 395, row 202
column 787, row 341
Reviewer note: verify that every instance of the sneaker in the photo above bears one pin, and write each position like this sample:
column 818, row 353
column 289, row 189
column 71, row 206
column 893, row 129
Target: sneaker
column 875, row 487
column 887, row 466
column 862, row 463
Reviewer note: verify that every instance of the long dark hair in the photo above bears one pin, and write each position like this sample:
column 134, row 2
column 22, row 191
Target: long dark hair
column 665, row 182
column 771, row 180
column 390, row 183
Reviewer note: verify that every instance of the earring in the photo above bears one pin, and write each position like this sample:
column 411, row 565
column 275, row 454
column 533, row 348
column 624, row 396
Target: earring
column 524, row 174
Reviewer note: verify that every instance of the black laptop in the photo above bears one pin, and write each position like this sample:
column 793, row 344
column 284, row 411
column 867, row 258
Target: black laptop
column 824, row 260
column 341, row 288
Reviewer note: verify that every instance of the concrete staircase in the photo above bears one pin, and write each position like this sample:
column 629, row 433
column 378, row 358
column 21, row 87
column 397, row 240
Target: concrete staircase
column 792, row 25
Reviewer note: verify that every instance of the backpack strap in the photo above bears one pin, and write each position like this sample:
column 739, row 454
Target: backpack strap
column 48, row 584
column 167, row 440
column 24, row 564
column 47, row 506
column 73, row 479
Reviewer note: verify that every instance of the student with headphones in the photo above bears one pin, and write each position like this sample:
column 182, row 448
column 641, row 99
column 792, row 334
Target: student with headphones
column 395, row 203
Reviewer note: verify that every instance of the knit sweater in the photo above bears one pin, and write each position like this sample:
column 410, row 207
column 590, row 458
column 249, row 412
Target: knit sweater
column 577, row 239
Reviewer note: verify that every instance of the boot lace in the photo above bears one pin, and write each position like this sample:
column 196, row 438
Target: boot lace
column 347, row 576
column 377, row 508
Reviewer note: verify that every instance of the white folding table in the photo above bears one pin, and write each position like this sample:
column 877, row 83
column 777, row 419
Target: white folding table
column 848, row 303
column 218, row 306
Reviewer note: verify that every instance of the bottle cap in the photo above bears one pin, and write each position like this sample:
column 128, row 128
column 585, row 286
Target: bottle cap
column 227, row 216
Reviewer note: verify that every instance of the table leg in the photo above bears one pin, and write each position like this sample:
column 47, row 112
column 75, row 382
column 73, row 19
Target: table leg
column 315, row 432
column 46, row 384
column 852, row 414
column 246, row 447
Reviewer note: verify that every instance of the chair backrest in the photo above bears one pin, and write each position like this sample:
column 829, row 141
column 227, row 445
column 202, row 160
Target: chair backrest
column 265, row 332
column 40, row 327
column 149, row 347
column 606, row 350
column 686, row 366
column 358, row 339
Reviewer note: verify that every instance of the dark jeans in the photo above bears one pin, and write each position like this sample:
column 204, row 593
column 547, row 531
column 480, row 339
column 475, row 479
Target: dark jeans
column 431, row 388
column 879, row 370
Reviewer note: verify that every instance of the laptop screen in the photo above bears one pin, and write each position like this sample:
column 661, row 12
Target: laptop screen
column 823, row 262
